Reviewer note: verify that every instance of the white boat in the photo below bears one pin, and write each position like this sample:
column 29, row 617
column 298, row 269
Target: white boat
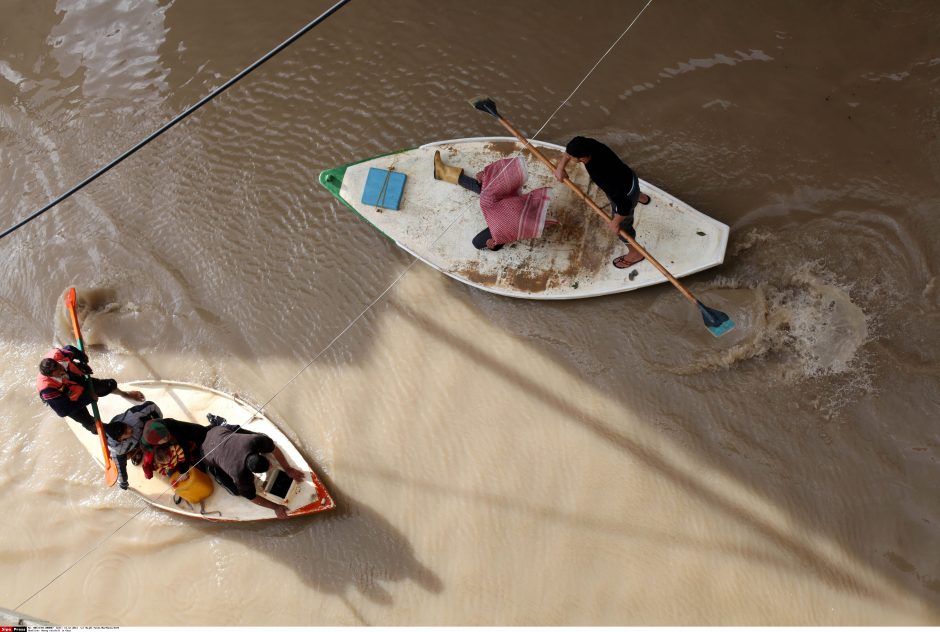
column 191, row 402
column 436, row 222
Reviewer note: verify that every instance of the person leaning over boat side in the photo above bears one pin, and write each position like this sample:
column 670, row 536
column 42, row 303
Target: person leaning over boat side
column 62, row 383
column 124, row 431
column 233, row 456
column 616, row 179
column 509, row 216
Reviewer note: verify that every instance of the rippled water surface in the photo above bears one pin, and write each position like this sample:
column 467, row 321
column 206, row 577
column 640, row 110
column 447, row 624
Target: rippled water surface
column 496, row 461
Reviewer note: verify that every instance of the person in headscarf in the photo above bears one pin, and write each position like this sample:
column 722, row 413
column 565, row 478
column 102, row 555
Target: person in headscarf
column 510, row 215
column 616, row 179
column 169, row 459
column 171, row 445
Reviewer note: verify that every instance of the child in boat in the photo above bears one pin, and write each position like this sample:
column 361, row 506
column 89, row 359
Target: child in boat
column 63, row 384
column 170, row 445
column 510, row 216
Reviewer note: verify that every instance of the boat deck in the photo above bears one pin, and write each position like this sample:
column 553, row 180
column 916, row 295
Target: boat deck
column 437, row 221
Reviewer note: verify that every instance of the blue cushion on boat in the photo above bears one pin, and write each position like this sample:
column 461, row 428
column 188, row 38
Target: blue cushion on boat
column 383, row 188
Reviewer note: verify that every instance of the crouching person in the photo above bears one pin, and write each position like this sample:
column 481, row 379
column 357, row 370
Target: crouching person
column 124, row 432
column 233, row 456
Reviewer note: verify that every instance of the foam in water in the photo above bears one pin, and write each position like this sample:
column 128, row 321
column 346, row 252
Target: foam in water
column 826, row 329
column 88, row 302
column 808, row 322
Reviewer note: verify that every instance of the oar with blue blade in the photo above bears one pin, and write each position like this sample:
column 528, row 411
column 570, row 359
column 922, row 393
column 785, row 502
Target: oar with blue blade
column 718, row 323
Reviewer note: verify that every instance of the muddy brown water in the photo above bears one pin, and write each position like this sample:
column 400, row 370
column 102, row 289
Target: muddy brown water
column 497, row 461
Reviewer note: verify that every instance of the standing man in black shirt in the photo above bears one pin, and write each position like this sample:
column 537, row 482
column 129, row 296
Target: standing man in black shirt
column 614, row 178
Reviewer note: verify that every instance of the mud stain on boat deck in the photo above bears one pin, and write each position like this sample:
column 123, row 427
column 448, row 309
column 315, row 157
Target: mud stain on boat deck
column 565, row 255
column 576, row 249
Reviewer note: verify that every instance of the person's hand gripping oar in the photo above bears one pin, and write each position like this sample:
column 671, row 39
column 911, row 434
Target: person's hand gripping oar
column 110, row 470
column 718, row 323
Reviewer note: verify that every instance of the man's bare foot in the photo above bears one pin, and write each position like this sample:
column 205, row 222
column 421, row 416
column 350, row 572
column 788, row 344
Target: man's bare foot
column 137, row 396
column 627, row 260
column 644, row 198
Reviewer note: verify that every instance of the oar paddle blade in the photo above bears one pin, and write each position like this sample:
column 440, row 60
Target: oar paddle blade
column 70, row 305
column 718, row 323
column 110, row 470
column 110, row 474
column 485, row 104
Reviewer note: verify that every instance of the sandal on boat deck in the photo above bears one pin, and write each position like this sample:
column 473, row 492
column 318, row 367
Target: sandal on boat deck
column 621, row 262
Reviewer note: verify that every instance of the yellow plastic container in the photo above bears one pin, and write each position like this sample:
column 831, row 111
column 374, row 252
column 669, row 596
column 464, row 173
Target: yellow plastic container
column 196, row 487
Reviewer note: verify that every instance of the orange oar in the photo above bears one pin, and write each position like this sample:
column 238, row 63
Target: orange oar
column 718, row 323
column 110, row 470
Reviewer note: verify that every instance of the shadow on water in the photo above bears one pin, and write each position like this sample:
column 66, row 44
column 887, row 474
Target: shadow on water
column 503, row 369
column 349, row 549
column 355, row 548
column 636, row 529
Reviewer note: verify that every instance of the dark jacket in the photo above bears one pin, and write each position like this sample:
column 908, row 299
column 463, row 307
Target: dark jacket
column 225, row 450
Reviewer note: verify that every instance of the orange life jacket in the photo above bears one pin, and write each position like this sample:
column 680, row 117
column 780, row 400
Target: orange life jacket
column 72, row 385
column 50, row 388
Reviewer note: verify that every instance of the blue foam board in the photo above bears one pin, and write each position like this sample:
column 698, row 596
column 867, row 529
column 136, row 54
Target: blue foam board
column 383, row 188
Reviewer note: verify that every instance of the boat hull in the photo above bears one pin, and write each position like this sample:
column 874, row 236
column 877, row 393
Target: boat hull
column 437, row 221
column 191, row 402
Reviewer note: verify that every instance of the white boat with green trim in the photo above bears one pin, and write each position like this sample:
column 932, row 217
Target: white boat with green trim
column 436, row 222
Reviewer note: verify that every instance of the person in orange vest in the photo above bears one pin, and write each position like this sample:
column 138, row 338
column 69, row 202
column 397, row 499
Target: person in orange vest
column 62, row 383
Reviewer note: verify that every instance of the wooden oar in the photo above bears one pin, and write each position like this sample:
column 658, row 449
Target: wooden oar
column 110, row 470
column 718, row 323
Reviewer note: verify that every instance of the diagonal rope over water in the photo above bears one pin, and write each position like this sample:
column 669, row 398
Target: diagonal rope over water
column 352, row 322
column 415, row 260
column 593, row 68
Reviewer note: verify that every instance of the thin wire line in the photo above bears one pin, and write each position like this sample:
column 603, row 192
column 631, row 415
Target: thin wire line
column 86, row 554
column 629, row 26
column 414, row 260
column 340, row 334
column 520, row 151
column 348, row 326
column 225, row 86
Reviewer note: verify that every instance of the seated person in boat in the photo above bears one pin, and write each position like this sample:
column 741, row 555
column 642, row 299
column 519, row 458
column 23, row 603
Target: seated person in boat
column 63, row 384
column 124, row 433
column 509, row 215
column 614, row 178
column 170, row 445
column 233, row 456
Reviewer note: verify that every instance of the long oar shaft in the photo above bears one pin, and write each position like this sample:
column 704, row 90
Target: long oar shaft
column 110, row 472
column 571, row 185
